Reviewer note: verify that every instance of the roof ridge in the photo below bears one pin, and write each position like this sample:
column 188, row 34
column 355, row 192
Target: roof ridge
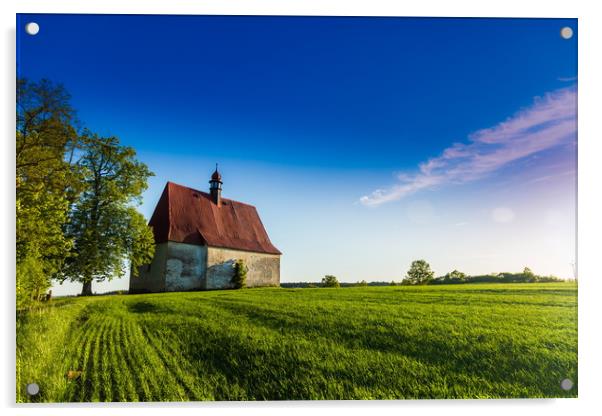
column 208, row 194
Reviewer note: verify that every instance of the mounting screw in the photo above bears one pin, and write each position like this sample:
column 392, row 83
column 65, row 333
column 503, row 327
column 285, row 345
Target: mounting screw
column 33, row 389
column 32, row 28
column 566, row 32
column 566, row 384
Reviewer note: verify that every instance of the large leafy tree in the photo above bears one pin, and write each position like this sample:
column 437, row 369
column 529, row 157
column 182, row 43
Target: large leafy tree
column 104, row 224
column 46, row 183
column 420, row 273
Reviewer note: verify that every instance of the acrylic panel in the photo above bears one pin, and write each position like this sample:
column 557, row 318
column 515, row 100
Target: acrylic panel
column 219, row 208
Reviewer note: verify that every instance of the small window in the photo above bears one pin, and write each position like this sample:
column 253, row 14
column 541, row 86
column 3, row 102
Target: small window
column 148, row 268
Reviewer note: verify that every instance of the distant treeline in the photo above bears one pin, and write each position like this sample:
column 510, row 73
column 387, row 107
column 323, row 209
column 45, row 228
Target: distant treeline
column 342, row 284
column 450, row 278
column 495, row 278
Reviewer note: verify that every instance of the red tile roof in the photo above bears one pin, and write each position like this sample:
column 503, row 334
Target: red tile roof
column 185, row 215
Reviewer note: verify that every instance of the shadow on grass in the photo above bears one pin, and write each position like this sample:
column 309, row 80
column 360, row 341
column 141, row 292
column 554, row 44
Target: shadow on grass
column 143, row 307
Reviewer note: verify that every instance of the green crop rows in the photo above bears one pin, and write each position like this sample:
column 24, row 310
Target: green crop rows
column 455, row 341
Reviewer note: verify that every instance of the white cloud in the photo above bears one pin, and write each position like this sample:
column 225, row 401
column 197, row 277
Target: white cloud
column 551, row 120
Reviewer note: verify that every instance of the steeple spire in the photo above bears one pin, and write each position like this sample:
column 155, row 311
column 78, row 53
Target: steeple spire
column 215, row 187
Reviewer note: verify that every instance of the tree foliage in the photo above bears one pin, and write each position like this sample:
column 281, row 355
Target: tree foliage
column 46, row 183
column 526, row 276
column 330, row 281
column 239, row 279
column 103, row 223
column 419, row 273
column 454, row 276
column 75, row 197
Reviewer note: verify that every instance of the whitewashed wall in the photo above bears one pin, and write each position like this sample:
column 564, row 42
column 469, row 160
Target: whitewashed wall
column 264, row 269
column 185, row 267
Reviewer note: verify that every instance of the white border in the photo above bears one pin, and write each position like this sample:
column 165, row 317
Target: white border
column 590, row 191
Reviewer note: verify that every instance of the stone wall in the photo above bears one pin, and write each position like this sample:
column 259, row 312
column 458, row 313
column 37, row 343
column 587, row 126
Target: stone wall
column 185, row 267
column 264, row 269
column 151, row 278
column 181, row 267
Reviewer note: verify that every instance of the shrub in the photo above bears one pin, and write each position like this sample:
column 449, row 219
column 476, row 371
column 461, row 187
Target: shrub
column 239, row 280
column 330, row 281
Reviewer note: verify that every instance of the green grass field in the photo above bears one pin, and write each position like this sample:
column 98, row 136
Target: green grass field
column 455, row 341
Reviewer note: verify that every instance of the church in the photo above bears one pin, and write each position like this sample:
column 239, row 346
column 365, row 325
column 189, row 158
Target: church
column 198, row 238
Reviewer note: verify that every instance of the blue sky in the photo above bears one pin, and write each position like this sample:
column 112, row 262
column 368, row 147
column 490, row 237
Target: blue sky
column 365, row 143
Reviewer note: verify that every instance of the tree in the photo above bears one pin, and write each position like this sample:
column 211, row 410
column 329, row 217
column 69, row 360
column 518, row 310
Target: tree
column 46, row 184
column 455, row 275
column 239, row 280
column 420, row 273
column 362, row 283
column 330, row 281
column 104, row 224
column 529, row 275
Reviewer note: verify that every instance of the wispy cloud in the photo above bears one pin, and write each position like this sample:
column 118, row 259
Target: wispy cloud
column 567, row 79
column 554, row 176
column 551, row 120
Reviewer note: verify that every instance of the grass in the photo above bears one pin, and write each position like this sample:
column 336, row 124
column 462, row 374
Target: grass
column 454, row 341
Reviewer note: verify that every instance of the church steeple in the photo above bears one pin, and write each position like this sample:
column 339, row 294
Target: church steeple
column 215, row 187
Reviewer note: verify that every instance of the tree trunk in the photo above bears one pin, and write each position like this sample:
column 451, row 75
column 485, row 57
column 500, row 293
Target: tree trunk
column 87, row 288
